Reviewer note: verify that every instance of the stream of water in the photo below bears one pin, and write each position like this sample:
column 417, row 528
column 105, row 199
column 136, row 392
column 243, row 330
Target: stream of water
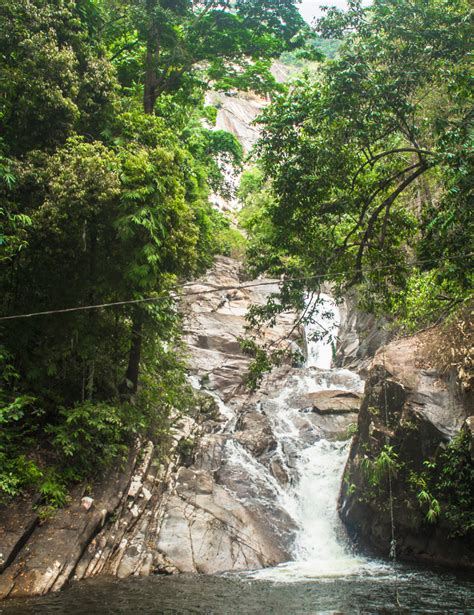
column 322, row 548
column 326, row 575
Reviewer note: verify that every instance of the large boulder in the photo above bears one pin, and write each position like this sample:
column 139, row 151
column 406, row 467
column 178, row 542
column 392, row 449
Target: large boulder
column 409, row 470
column 206, row 529
column 255, row 433
column 334, row 401
column 360, row 335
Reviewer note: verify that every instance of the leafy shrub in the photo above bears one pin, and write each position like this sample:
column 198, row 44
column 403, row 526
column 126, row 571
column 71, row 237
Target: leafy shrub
column 16, row 473
column 427, row 297
column 426, row 500
column 91, row 435
column 231, row 242
column 453, row 484
column 444, row 488
column 53, row 490
column 260, row 364
column 16, row 470
column 376, row 470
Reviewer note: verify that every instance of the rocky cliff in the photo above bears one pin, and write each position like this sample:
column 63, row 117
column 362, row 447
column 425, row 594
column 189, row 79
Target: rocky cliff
column 171, row 512
column 214, row 501
column 360, row 335
column 411, row 458
column 236, row 113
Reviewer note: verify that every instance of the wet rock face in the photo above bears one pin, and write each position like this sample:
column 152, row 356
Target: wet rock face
column 206, row 530
column 18, row 522
column 254, row 433
column 407, row 421
column 236, row 513
column 360, row 336
column 334, row 401
column 233, row 493
column 216, row 321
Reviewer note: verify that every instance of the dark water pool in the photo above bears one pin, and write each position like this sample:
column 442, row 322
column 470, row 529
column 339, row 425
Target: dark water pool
column 419, row 591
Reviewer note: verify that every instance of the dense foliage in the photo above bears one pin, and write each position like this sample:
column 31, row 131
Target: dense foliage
column 106, row 166
column 367, row 165
column 363, row 183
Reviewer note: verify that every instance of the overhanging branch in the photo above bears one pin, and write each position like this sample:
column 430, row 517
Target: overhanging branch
column 386, row 204
column 398, row 150
column 384, row 184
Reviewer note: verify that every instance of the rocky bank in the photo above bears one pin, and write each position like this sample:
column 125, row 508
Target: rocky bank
column 214, row 501
column 414, row 438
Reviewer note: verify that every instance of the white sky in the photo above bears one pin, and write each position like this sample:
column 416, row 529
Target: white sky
column 311, row 8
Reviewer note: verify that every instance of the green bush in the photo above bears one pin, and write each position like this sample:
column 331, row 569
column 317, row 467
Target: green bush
column 17, row 473
column 91, row 435
column 377, row 470
column 16, row 470
column 427, row 297
column 453, row 482
column 444, row 488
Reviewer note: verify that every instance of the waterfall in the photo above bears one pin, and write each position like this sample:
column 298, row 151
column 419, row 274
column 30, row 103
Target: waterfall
column 321, row 538
column 302, row 510
column 319, row 349
column 321, row 548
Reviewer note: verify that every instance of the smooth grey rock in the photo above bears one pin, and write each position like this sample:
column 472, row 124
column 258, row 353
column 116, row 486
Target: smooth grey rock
column 333, row 401
column 417, row 413
column 254, row 432
column 360, row 336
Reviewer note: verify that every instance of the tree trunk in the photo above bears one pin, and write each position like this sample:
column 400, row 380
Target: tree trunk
column 151, row 60
column 130, row 384
column 149, row 93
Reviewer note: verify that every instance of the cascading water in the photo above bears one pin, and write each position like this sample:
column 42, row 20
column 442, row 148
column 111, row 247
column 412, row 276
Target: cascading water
column 319, row 349
column 321, row 538
column 321, row 548
column 312, row 461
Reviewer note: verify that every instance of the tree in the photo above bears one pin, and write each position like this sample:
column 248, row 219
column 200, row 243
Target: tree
column 172, row 45
column 364, row 159
column 55, row 78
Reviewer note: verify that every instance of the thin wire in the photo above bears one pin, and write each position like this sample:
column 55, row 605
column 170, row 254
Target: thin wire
column 393, row 541
column 145, row 299
column 213, row 289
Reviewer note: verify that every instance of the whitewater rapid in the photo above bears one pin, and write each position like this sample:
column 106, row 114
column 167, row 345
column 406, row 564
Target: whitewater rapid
column 312, row 460
column 322, row 547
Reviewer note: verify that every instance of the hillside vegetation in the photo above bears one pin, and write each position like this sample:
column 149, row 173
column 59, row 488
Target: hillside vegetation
column 364, row 169
column 106, row 167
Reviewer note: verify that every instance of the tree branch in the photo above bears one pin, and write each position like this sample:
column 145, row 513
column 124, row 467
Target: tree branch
column 386, row 204
column 366, row 205
column 124, row 48
column 205, row 10
column 398, row 150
